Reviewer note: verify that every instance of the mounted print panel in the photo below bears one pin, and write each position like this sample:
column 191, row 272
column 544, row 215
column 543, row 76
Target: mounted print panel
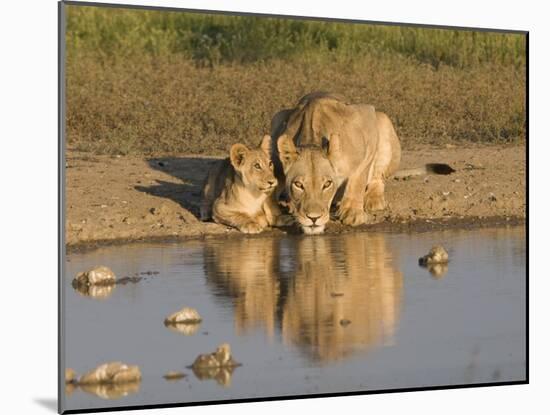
column 272, row 207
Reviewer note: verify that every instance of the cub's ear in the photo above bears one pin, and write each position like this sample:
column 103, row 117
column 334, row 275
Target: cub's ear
column 265, row 145
column 333, row 147
column 237, row 154
column 287, row 151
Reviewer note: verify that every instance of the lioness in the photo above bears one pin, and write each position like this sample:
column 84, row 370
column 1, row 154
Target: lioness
column 326, row 145
column 239, row 191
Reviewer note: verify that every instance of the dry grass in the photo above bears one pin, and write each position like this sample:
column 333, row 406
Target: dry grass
column 160, row 99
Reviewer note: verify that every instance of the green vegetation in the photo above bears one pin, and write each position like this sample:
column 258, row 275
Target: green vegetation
column 216, row 38
column 157, row 82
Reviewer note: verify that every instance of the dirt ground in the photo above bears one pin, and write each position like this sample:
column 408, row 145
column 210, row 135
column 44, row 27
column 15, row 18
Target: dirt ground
column 126, row 198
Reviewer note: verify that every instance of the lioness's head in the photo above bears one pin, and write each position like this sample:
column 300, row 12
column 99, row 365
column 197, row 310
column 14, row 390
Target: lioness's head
column 254, row 167
column 310, row 183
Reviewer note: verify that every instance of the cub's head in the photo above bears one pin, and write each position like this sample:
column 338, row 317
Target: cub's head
column 311, row 183
column 254, row 166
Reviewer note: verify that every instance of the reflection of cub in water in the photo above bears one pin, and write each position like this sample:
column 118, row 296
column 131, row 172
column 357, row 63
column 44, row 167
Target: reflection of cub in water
column 329, row 295
column 344, row 297
column 245, row 270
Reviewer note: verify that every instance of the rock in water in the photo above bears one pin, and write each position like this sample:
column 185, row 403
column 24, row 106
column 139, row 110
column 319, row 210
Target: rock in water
column 186, row 315
column 172, row 375
column 97, row 276
column 220, row 358
column 111, row 373
column 437, row 255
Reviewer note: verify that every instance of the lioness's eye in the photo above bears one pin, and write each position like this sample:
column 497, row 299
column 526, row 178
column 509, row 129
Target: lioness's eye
column 327, row 184
column 298, row 185
column 257, row 166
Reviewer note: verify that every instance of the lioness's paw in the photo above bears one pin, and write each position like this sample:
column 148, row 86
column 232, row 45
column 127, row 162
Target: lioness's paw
column 251, row 227
column 375, row 202
column 284, row 220
column 352, row 216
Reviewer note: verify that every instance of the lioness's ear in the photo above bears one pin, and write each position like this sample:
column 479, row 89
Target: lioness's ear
column 287, row 151
column 237, row 154
column 265, row 145
column 333, row 145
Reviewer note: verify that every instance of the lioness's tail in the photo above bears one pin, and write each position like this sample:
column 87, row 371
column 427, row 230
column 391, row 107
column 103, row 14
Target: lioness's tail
column 433, row 168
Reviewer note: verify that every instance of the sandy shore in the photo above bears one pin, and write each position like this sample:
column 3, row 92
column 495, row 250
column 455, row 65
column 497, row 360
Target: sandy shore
column 112, row 199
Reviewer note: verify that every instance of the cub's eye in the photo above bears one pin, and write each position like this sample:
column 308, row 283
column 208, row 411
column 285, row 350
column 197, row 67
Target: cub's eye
column 298, row 185
column 257, row 166
column 327, row 184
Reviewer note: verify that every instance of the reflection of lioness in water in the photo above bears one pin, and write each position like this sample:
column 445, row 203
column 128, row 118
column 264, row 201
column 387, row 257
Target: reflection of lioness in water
column 344, row 296
column 325, row 144
column 239, row 190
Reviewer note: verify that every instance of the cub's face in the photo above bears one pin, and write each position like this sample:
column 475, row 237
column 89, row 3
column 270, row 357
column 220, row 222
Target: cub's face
column 255, row 166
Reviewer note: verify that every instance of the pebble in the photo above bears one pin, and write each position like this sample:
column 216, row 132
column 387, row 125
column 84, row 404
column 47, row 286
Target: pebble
column 172, row 375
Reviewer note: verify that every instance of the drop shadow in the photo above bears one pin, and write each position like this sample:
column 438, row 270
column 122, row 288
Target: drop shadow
column 48, row 403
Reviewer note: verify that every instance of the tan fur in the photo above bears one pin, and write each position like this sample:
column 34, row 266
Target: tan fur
column 326, row 145
column 239, row 190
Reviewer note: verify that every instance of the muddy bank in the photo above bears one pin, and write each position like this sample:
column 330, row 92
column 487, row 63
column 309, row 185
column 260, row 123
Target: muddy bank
column 114, row 199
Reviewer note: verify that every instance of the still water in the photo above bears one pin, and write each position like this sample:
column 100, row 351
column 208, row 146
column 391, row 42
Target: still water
column 304, row 315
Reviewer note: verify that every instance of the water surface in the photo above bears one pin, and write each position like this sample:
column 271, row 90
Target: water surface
column 305, row 315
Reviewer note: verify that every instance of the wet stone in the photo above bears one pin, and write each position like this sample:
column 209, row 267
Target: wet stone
column 186, row 315
column 111, row 373
column 220, row 358
column 173, row 375
column 437, row 255
column 96, row 276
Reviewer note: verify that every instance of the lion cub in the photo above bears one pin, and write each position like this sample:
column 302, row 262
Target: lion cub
column 240, row 190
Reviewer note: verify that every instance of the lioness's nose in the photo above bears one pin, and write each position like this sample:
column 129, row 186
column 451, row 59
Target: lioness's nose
column 272, row 182
column 313, row 216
